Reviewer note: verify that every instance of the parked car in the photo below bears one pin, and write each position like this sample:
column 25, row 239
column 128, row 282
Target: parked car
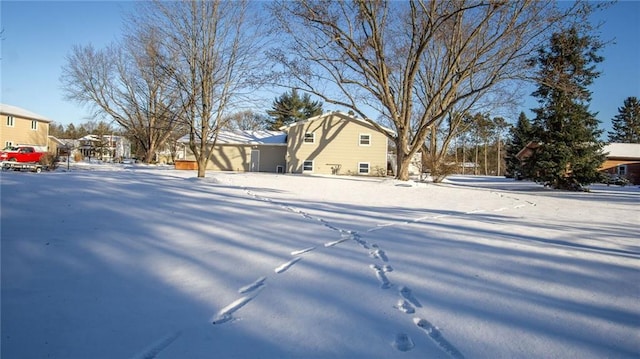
column 615, row 179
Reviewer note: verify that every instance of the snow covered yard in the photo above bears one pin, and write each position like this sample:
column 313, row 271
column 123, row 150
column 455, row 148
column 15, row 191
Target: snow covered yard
column 149, row 262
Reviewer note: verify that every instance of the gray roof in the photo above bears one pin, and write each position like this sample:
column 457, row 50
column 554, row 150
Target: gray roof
column 273, row 138
column 252, row 137
column 20, row 112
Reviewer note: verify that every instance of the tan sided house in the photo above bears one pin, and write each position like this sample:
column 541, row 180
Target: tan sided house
column 244, row 151
column 336, row 143
column 21, row 127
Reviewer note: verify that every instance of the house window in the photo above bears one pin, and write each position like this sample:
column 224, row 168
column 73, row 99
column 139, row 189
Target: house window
column 307, row 166
column 34, row 125
column 309, row 137
column 622, row 170
column 363, row 168
column 10, row 121
column 365, row 139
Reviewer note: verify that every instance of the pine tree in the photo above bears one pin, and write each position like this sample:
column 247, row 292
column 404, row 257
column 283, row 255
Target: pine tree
column 290, row 107
column 519, row 136
column 626, row 124
column 570, row 153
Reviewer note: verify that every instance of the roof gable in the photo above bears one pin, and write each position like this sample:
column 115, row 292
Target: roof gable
column 20, row 112
column 341, row 115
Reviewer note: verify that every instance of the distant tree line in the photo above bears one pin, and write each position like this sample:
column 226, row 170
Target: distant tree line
column 74, row 132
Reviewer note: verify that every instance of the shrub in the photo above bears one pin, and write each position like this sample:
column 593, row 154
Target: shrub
column 49, row 160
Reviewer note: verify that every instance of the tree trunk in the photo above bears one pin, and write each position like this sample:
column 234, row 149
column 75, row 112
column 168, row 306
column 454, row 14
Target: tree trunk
column 464, row 160
column 402, row 159
column 202, row 167
column 499, row 159
column 475, row 165
column 403, row 163
column 486, row 160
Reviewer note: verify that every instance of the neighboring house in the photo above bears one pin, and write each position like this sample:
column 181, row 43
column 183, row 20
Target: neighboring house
column 245, row 151
column 623, row 159
column 21, row 127
column 57, row 146
column 106, row 147
column 170, row 152
column 527, row 151
column 336, row 143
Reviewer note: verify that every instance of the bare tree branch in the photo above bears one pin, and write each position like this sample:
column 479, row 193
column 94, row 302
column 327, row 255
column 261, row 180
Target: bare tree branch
column 412, row 62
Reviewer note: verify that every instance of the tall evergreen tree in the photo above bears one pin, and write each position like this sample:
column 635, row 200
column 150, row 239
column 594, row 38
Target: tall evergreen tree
column 290, row 107
column 519, row 136
column 626, row 124
column 570, row 153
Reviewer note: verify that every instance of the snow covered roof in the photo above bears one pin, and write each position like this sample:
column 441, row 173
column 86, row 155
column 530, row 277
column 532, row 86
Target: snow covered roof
column 20, row 112
column 274, row 138
column 343, row 115
column 253, row 137
column 622, row 150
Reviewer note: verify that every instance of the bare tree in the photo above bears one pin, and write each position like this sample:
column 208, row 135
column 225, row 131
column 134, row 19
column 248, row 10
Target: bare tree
column 408, row 61
column 214, row 54
column 124, row 82
column 437, row 154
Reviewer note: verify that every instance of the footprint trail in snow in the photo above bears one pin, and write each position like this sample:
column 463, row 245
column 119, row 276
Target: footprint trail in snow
column 407, row 302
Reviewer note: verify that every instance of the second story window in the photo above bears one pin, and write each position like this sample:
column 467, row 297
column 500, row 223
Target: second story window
column 309, row 137
column 365, row 139
column 10, row 121
column 34, row 125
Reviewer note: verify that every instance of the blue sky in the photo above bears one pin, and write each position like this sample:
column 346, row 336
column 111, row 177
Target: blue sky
column 39, row 35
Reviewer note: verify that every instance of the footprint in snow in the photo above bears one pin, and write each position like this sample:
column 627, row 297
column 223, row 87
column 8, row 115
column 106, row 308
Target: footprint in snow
column 327, row 224
column 404, row 306
column 226, row 313
column 253, row 286
column 284, row 266
column 435, row 335
column 302, row 251
column 402, row 342
column 360, row 241
column 406, row 293
column 382, row 277
column 343, row 238
column 379, row 254
column 385, row 268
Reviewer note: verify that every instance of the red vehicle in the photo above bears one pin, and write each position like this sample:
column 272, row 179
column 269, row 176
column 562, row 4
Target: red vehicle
column 21, row 154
